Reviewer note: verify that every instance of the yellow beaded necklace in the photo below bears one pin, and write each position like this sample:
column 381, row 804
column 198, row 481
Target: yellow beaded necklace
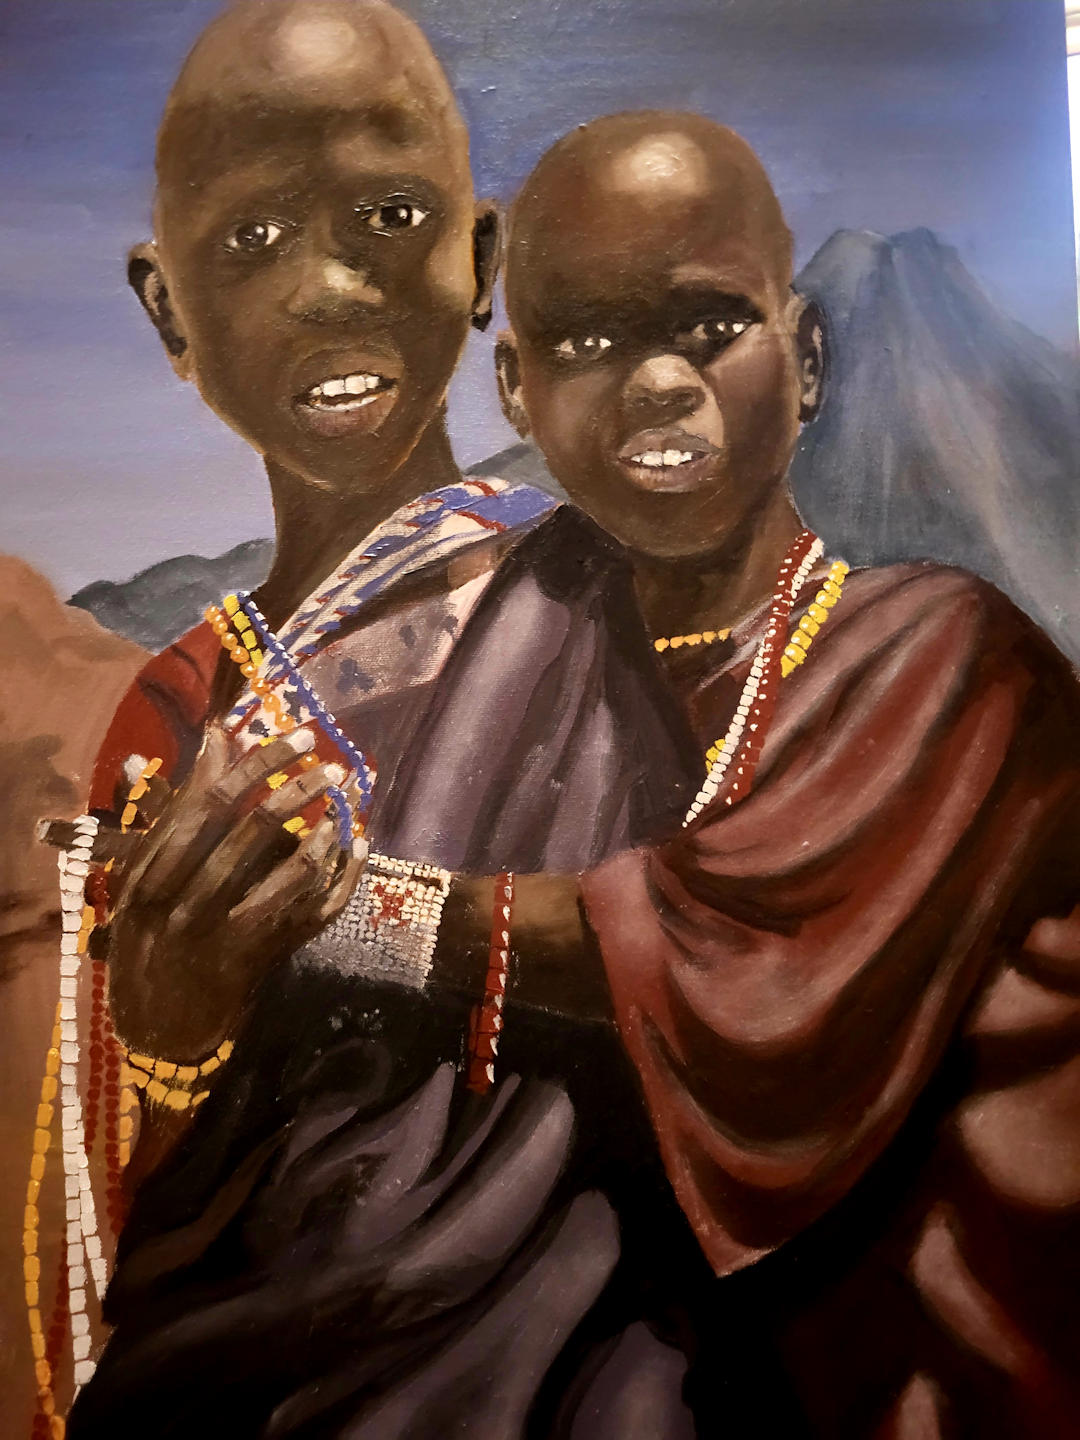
column 704, row 637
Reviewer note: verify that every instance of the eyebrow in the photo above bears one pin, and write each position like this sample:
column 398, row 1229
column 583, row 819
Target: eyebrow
column 681, row 304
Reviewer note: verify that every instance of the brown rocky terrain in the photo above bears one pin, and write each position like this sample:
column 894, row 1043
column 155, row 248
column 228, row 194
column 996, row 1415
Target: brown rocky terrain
column 62, row 678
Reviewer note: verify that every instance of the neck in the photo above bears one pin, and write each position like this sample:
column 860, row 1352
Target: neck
column 681, row 596
column 317, row 528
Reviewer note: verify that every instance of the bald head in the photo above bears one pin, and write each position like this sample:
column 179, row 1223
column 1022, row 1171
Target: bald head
column 665, row 179
column 280, row 61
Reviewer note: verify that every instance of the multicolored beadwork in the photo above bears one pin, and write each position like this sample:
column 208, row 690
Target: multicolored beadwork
column 389, row 926
column 740, row 748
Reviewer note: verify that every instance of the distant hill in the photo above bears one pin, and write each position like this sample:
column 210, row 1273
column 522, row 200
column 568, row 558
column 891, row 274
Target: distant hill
column 949, row 432
column 164, row 601
column 160, row 603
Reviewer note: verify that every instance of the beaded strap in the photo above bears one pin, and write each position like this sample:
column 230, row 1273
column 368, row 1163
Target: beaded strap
column 389, row 927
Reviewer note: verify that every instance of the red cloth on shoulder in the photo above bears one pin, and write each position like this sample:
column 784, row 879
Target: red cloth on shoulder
column 161, row 716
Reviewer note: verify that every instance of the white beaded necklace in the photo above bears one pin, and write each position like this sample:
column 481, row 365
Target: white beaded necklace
column 764, row 672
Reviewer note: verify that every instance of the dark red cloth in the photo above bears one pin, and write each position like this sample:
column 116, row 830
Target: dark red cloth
column 161, row 716
column 833, row 972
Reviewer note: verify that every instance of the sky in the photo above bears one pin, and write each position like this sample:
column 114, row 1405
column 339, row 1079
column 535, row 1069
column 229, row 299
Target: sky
column 877, row 114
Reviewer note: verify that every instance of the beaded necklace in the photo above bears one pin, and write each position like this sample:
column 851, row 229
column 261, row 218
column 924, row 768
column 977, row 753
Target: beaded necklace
column 251, row 624
column 770, row 664
column 701, row 637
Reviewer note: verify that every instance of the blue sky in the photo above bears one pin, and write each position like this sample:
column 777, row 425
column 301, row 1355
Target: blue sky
column 882, row 114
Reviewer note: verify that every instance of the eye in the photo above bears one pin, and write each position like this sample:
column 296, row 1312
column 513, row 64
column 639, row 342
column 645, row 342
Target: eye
column 397, row 213
column 718, row 331
column 254, row 236
column 587, row 347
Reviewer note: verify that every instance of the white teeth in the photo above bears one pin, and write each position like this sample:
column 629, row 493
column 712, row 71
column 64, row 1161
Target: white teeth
column 359, row 383
column 655, row 459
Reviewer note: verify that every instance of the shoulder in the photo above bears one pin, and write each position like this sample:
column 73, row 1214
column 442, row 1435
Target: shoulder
column 958, row 618
column 162, row 714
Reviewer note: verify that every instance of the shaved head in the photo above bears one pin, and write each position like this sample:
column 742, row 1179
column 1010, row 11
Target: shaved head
column 280, row 59
column 604, row 187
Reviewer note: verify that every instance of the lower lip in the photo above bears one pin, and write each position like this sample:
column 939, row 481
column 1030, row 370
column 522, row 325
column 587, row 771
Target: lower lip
column 670, row 478
column 361, row 419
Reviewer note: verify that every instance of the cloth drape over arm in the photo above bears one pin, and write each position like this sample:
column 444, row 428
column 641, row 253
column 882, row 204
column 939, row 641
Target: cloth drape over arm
column 787, row 973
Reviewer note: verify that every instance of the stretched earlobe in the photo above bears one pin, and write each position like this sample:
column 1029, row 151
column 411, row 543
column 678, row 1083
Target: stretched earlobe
column 487, row 249
column 147, row 279
column 508, row 374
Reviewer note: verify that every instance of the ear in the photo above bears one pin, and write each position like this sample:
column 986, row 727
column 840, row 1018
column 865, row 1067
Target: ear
column 809, row 331
column 508, row 374
column 147, row 279
column 487, row 248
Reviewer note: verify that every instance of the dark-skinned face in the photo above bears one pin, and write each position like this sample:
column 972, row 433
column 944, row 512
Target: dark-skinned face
column 316, row 243
column 657, row 353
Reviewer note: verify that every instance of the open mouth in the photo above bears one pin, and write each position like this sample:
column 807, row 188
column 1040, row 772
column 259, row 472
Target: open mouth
column 662, row 459
column 668, row 459
column 349, row 404
column 346, row 392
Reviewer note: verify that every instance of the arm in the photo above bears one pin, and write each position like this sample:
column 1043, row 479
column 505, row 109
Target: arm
column 556, row 963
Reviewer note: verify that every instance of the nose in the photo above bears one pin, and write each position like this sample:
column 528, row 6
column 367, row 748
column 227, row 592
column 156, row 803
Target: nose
column 331, row 287
column 663, row 385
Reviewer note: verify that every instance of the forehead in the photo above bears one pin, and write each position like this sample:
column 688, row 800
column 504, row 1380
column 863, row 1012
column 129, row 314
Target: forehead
column 656, row 214
column 297, row 94
column 218, row 149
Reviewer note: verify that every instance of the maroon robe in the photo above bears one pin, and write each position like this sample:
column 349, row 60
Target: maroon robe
column 863, row 1071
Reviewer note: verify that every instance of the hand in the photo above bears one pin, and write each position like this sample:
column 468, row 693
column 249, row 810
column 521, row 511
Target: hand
column 217, row 892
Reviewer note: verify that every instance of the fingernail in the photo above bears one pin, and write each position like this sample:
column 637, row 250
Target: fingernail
column 134, row 765
column 335, row 774
column 300, row 740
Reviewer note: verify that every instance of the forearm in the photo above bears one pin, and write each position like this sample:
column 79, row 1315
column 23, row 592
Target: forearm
column 556, row 964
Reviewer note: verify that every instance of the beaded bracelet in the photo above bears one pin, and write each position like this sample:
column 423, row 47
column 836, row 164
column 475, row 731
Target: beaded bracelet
column 150, row 1076
column 486, row 1021
column 390, row 925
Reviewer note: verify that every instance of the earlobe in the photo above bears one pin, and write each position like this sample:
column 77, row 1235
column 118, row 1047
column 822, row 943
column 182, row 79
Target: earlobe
column 487, row 249
column 147, row 279
column 508, row 374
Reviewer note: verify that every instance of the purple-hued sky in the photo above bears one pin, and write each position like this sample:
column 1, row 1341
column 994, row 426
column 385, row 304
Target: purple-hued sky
column 882, row 114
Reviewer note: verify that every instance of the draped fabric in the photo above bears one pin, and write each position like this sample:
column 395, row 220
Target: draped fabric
column 348, row 1242
column 817, row 1176
column 856, row 1060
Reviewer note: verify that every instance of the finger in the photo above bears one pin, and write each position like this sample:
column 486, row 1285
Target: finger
column 261, row 762
column 343, row 885
column 254, row 844
column 304, row 873
column 203, row 811
column 108, row 843
column 148, row 793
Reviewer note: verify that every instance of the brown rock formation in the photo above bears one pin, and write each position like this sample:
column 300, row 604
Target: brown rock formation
column 62, row 676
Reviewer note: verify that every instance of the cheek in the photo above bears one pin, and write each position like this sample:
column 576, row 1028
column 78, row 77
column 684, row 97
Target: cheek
column 563, row 412
column 757, row 390
column 446, row 279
